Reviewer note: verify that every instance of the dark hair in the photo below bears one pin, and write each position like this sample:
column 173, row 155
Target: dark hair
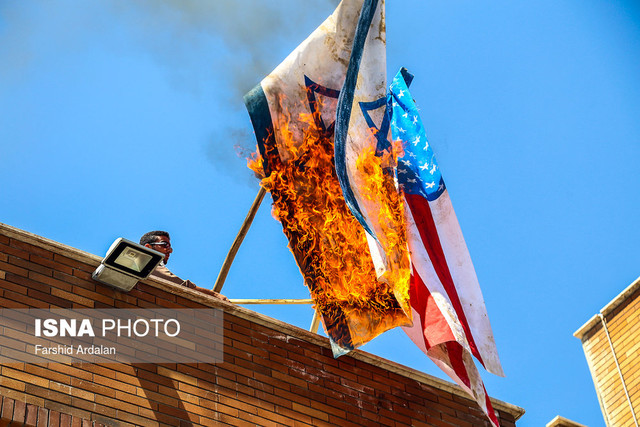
column 152, row 236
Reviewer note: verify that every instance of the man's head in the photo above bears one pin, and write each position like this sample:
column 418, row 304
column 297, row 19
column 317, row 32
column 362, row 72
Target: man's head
column 159, row 241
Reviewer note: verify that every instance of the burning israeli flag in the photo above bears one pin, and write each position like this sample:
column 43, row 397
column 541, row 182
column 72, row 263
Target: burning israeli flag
column 338, row 204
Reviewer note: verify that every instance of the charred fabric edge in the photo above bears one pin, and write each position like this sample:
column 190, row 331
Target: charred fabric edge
column 258, row 108
column 343, row 113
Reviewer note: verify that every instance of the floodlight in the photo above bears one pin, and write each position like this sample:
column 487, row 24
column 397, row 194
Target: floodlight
column 126, row 263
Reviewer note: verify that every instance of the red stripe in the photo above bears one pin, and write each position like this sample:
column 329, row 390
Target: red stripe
column 429, row 235
column 490, row 412
column 433, row 325
column 454, row 350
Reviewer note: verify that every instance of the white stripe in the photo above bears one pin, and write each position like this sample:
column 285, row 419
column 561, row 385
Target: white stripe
column 415, row 332
column 440, row 357
column 285, row 87
column 424, row 267
column 465, row 280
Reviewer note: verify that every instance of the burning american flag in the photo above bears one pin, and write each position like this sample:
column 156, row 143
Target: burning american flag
column 450, row 322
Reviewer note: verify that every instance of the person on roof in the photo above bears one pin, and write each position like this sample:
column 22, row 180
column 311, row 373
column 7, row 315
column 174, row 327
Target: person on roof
column 161, row 241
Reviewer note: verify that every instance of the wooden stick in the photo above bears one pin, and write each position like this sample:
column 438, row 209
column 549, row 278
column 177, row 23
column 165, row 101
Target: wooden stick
column 222, row 276
column 315, row 322
column 271, row 301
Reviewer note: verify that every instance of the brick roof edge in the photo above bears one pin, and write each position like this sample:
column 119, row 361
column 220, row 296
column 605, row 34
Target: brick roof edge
column 202, row 297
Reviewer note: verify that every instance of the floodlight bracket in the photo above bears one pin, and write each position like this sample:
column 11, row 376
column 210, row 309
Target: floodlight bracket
column 125, row 264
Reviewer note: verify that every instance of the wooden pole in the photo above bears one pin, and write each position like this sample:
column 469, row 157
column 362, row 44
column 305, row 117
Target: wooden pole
column 271, row 301
column 222, row 276
column 315, row 322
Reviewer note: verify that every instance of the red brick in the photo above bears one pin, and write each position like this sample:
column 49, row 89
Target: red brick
column 143, row 288
column 84, row 275
column 19, row 411
column 55, row 283
column 290, row 413
column 94, row 408
column 14, row 267
column 7, row 281
column 9, row 250
column 54, row 418
column 72, row 370
column 23, row 300
column 84, row 302
column 50, row 263
column 73, row 280
column 185, row 302
column 44, row 253
column 65, row 420
column 289, row 379
column 31, row 415
column 43, row 417
column 56, row 301
column 74, row 263
column 277, row 401
column 7, row 408
column 313, row 413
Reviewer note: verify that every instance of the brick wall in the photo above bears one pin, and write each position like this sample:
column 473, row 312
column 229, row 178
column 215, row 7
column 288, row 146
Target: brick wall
column 622, row 319
column 273, row 373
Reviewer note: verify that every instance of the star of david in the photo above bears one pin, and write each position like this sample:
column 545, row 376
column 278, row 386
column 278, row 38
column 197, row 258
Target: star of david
column 312, row 89
column 382, row 131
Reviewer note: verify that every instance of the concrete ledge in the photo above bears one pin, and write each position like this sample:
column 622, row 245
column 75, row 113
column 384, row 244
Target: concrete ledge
column 559, row 421
column 607, row 309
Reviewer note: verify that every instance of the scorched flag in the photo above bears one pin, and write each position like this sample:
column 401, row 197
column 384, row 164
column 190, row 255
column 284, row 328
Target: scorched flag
column 336, row 237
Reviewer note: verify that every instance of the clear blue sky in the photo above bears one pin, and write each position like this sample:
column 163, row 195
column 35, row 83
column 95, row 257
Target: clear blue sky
column 116, row 119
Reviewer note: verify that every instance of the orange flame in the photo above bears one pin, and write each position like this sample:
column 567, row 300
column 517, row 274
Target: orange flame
column 329, row 244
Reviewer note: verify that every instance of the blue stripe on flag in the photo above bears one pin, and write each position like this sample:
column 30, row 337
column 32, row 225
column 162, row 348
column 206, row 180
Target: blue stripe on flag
column 343, row 113
column 258, row 108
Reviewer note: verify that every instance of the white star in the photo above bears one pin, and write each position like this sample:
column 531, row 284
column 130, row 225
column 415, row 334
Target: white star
column 416, row 141
column 441, row 187
column 402, row 171
column 425, row 166
column 411, row 154
column 433, row 169
column 414, row 119
column 430, row 184
column 406, row 114
column 402, row 130
column 412, row 181
column 401, row 94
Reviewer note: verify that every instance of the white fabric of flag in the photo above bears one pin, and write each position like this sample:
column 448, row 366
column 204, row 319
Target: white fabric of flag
column 342, row 63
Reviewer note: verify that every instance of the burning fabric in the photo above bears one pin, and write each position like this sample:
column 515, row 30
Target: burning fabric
column 354, row 261
column 354, row 205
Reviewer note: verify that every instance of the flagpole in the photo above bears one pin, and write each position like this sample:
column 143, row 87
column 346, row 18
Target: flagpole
column 271, row 301
column 222, row 276
column 315, row 322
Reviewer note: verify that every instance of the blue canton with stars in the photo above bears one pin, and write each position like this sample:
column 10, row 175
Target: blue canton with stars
column 418, row 172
